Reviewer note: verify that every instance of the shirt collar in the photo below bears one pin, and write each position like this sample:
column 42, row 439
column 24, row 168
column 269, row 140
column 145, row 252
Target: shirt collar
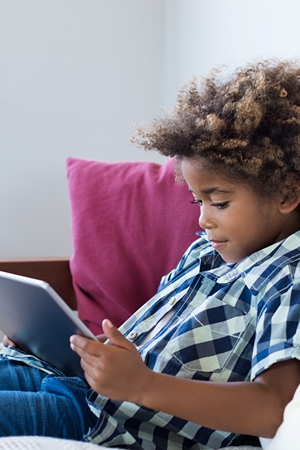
column 253, row 267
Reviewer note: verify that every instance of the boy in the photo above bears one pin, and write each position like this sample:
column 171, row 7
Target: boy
column 213, row 357
column 236, row 318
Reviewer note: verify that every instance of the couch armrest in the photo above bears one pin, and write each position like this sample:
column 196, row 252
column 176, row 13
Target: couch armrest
column 56, row 272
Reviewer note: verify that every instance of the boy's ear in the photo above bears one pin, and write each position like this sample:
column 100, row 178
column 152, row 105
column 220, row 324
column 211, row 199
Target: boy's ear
column 288, row 206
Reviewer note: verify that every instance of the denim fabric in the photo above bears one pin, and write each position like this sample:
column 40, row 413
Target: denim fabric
column 33, row 402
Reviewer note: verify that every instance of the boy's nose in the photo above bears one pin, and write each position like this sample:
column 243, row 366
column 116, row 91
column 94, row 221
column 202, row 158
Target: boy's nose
column 205, row 221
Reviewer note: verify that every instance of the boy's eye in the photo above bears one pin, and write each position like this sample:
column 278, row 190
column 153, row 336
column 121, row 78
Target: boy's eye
column 197, row 202
column 221, row 205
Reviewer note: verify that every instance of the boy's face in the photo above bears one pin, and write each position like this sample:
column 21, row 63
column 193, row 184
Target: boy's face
column 236, row 220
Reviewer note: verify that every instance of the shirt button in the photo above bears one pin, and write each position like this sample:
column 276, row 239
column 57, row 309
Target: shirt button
column 173, row 300
column 133, row 335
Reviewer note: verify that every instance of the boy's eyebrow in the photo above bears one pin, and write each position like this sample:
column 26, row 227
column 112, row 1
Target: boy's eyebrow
column 212, row 190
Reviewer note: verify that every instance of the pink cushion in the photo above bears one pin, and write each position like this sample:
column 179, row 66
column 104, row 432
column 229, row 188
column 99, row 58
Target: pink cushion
column 131, row 224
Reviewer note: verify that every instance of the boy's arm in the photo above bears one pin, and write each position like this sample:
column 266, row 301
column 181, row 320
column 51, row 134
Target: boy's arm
column 254, row 408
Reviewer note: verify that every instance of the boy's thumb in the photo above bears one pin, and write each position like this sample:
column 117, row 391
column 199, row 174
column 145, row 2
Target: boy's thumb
column 113, row 334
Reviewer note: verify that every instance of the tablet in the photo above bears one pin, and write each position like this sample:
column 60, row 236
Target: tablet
column 36, row 318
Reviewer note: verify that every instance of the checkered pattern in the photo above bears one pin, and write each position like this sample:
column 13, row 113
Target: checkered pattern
column 228, row 323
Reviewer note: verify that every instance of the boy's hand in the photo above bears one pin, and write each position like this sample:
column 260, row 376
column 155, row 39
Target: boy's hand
column 101, row 338
column 6, row 341
column 115, row 371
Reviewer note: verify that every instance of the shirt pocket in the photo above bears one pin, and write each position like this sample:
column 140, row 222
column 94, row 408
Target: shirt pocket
column 213, row 338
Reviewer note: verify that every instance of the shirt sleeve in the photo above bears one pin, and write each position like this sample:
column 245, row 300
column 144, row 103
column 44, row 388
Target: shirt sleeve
column 278, row 327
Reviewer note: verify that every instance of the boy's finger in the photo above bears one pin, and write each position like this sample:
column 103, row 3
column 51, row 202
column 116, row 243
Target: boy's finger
column 114, row 335
column 7, row 341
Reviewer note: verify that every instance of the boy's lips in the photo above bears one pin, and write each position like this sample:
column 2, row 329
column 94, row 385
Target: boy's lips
column 218, row 244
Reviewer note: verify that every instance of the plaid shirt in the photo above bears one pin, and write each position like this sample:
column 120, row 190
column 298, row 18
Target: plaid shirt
column 228, row 323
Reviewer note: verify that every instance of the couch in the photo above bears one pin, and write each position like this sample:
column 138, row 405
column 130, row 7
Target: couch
column 130, row 220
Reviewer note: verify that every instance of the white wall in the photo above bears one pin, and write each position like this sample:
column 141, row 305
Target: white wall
column 75, row 75
column 202, row 34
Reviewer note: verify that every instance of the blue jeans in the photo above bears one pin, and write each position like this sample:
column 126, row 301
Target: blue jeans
column 34, row 403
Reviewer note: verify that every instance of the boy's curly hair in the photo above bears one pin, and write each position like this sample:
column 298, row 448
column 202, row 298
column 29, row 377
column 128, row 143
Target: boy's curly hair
column 246, row 126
